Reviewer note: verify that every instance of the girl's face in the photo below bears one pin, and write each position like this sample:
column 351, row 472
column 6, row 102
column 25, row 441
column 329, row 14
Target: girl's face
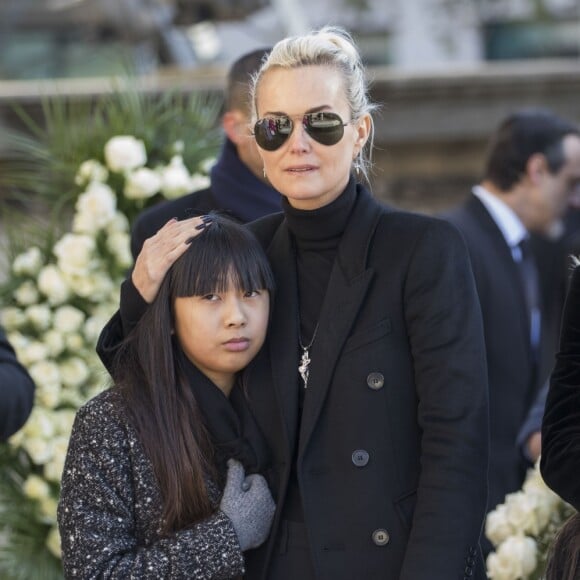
column 308, row 173
column 221, row 333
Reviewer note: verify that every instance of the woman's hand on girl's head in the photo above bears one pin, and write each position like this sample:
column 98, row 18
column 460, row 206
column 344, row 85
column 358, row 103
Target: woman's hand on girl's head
column 160, row 251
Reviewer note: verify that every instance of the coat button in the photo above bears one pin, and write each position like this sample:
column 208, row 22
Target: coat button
column 381, row 537
column 360, row 457
column 375, row 381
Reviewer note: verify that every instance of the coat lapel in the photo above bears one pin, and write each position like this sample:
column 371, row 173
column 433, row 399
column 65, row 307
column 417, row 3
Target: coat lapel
column 346, row 290
column 283, row 337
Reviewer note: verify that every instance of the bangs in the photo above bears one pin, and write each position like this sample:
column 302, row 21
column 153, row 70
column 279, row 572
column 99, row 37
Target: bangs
column 224, row 254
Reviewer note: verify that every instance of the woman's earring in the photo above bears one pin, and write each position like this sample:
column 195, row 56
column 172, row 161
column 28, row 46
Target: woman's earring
column 264, row 171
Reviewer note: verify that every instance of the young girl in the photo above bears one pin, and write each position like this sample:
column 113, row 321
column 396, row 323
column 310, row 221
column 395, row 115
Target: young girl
column 147, row 458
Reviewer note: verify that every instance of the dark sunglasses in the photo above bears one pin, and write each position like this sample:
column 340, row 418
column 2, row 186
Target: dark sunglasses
column 324, row 127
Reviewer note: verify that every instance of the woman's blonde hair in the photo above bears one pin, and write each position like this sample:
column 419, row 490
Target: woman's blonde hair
column 334, row 47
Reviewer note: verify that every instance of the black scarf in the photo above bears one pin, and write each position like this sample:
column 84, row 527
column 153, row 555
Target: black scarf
column 238, row 191
column 229, row 422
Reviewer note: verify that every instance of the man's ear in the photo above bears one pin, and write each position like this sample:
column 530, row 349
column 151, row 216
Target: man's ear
column 235, row 126
column 536, row 167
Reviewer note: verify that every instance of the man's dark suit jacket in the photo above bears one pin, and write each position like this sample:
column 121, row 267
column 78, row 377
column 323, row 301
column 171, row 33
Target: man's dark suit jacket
column 392, row 445
column 514, row 380
column 16, row 391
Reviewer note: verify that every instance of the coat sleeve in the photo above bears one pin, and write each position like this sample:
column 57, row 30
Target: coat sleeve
column 445, row 330
column 97, row 521
column 16, row 391
column 131, row 309
column 560, row 459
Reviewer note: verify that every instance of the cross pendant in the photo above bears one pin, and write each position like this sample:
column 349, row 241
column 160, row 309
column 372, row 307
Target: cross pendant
column 303, row 366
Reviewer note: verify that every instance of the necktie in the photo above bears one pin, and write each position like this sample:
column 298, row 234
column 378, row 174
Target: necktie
column 530, row 281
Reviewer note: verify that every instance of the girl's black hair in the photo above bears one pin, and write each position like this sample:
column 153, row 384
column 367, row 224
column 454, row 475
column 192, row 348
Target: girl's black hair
column 159, row 401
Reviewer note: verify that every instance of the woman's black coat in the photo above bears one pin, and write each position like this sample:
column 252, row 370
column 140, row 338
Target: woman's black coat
column 393, row 442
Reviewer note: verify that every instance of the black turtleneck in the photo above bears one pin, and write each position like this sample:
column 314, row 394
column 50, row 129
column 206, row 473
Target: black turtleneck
column 316, row 234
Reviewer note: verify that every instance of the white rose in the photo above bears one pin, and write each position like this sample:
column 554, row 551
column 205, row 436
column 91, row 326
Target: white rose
column 207, row 164
column 35, row 487
column 520, row 511
column 54, row 342
column 53, row 285
column 199, row 181
column 53, row 469
column 39, row 425
column 75, row 253
column 74, row 372
column 40, row 450
column 497, row 526
column 120, row 223
column 95, row 208
column 33, row 352
column 75, row 342
column 53, row 542
column 102, row 285
column 26, row 293
column 48, row 507
column 12, row 318
column 91, row 170
column 28, row 263
column 142, row 183
column 176, row 180
column 48, row 395
column 119, row 244
column 95, row 286
column 39, row 315
column 499, row 568
column 522, row 551
column 124, row 153
column 18, row 341
column 93, row 327
column 45, row 372
column 64, row 421
column 68, row 319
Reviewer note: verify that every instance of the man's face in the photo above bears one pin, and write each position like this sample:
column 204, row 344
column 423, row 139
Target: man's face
column 554, row 192
column 247, row 148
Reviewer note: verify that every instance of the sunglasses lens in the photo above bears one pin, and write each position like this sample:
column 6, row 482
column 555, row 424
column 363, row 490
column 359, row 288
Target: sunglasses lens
column 271, row 132
column 326, row 128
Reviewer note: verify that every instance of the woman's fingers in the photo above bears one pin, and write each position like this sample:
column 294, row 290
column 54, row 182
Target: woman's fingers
column 160, row 252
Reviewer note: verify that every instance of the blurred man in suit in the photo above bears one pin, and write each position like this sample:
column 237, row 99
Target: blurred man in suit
column 16, row 390
column 238, row 186
column 531, row 171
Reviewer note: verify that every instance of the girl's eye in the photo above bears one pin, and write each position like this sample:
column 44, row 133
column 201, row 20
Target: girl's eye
column 210, row 297
column 252, row 293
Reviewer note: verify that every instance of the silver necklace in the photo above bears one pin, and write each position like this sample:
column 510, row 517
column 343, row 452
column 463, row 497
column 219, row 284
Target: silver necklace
column 305, row 360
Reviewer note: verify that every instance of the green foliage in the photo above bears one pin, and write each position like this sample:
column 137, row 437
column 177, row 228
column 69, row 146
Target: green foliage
column 47, row 154
column 23, row 552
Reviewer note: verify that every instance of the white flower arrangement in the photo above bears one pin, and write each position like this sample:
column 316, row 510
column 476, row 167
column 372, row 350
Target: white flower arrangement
column 62, row 299
column 523, row 528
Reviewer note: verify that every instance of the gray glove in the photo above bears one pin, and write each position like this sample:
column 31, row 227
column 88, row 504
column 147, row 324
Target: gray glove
column 248, row 503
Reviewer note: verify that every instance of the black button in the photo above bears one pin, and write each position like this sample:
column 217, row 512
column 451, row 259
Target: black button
column 375, row 381
column 470, row 561
column 381, row 537
column 360, row 457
